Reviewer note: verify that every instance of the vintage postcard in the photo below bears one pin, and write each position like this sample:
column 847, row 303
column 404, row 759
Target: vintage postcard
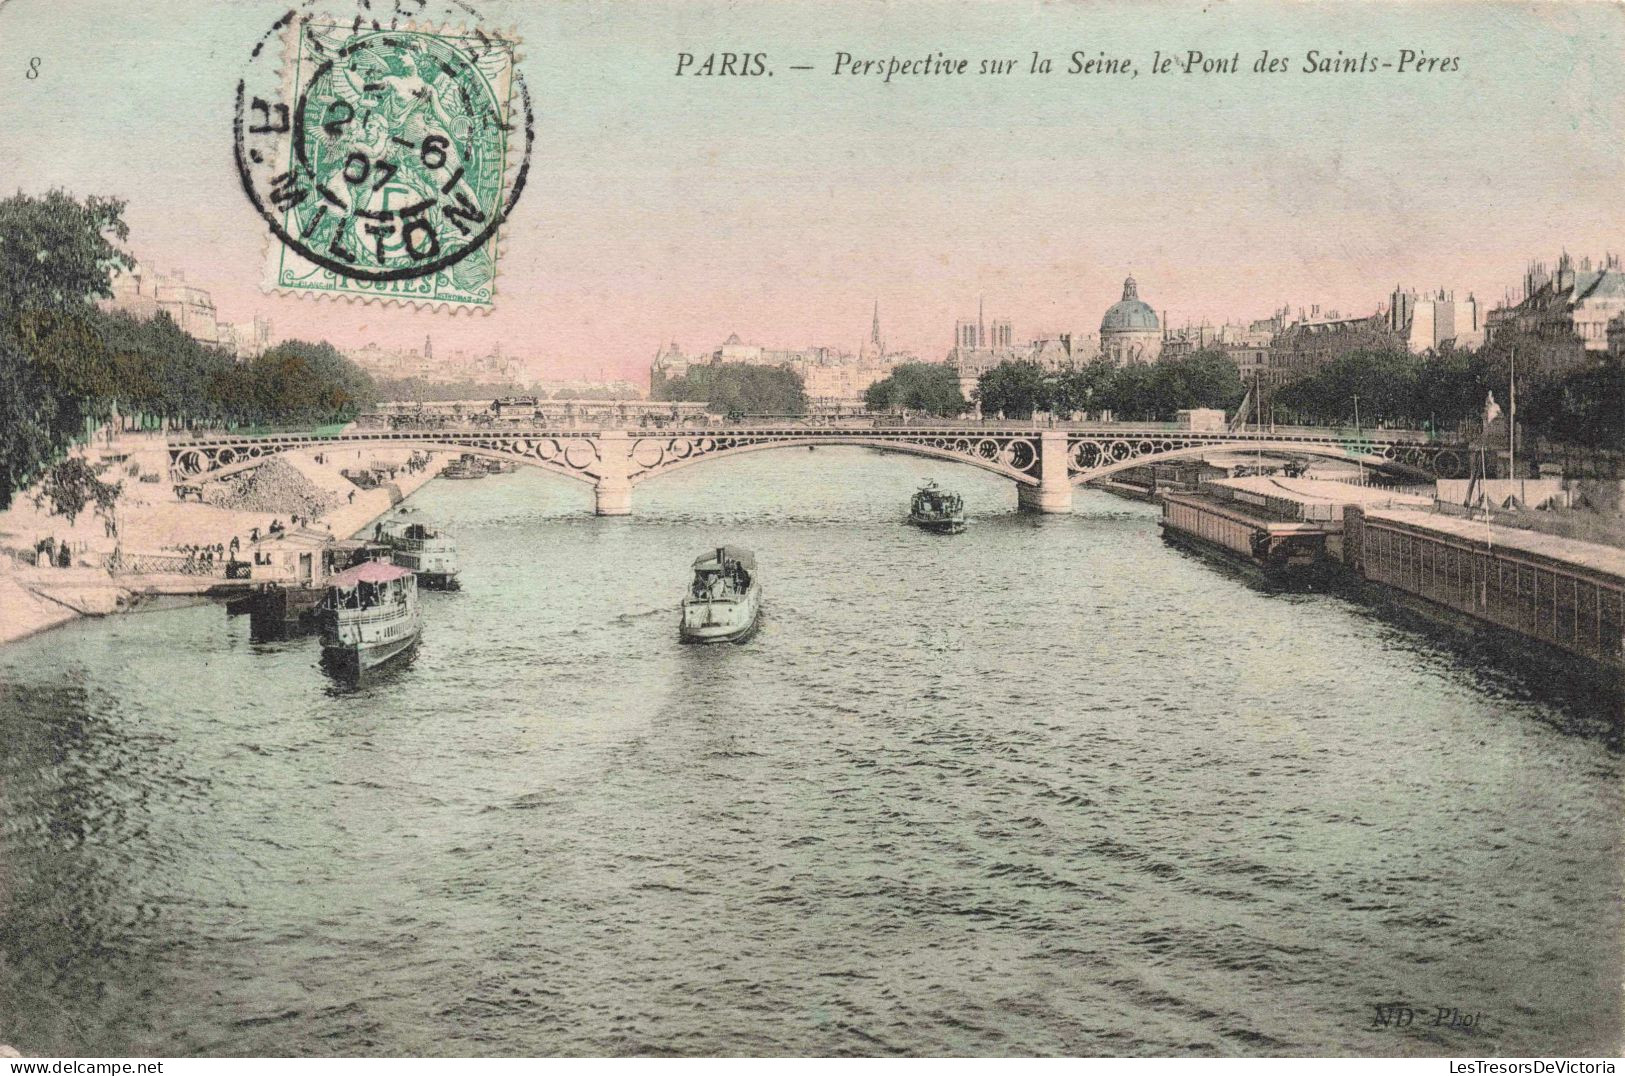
column 871, row 528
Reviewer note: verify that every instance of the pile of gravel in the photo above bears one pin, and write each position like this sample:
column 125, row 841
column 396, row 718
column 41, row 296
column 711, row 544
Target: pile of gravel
column 274, row 487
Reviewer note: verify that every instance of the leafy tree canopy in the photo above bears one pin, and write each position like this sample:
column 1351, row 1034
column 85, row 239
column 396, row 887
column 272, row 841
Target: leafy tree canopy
column 72, row 485
column 918, row 386
column 730, row 387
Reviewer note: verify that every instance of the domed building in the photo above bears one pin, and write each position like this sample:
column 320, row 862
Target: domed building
column 1130, row 331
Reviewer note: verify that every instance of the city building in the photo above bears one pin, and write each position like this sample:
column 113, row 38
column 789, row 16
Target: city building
column 669, row 362
column 393, row 364
column 1246, row 345
column 1427, row 323
column 1252, row 359
column 1130, row 331
column 1563, row 316
column 979, row 347
column 1616, row 336
column 143, row 293
column 1311, row 343
column 874, row 347
column 978, row 336
column 831, row 378
column 1178, row 343
column 246, row 339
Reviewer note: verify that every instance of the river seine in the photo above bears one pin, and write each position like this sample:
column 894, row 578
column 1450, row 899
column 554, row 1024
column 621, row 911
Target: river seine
column 1049, row 786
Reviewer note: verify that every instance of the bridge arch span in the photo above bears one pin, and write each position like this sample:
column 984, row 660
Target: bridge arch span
column 572, row 457
column 677, row 453
column 1045, row 464
column 1430, row 462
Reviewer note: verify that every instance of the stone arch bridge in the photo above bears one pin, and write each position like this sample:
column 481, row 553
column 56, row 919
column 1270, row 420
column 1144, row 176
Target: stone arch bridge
column 1045, row 464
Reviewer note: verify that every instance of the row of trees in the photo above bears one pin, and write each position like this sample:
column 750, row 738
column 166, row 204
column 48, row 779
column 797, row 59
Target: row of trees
column 1582, row 405
column 1393, row 388
column 1151, row 392
column 1585, row 406
column 736, row 387
column 65, row 364
column 407, row 389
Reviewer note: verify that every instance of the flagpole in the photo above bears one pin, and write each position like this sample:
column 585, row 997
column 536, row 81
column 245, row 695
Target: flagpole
column 1512, row 417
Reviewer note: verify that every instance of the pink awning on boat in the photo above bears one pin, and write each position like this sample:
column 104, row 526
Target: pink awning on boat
column 371, row 571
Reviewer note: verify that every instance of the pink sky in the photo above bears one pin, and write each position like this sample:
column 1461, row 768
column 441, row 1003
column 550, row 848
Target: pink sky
column 782, row 208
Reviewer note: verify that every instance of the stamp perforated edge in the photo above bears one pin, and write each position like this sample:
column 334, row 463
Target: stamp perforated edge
column 514, row 161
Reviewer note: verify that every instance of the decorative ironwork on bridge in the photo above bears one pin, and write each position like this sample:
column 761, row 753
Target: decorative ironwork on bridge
column 573, row 452
column 1012, row 454
column 1094, row 455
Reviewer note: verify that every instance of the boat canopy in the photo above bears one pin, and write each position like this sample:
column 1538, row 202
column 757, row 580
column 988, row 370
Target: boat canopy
column 737, row 554
column 371, row 571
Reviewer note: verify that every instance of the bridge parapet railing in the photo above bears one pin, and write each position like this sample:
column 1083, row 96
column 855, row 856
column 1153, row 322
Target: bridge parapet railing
column 449, row 435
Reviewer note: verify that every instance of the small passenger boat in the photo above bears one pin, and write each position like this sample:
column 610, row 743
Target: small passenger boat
column 500, row 466
column 369, row 617
column 724, row 602
column 422, row 549
column 937, row 510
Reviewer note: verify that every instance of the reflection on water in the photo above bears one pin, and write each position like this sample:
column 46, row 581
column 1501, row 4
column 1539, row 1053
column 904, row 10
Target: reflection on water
column 1048, row 786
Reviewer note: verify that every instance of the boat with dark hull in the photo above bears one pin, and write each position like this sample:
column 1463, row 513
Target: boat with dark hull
column 464, row 467
column 370, row 619
column 937, row 510
column 724, row 602
column 422, row 549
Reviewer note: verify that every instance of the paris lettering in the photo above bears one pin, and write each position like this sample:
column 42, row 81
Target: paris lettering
column 747, row 64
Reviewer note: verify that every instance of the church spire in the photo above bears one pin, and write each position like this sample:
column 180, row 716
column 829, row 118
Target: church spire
column 874, row 332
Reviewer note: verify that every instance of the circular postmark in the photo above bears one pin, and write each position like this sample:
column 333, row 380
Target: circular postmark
column 384, row 150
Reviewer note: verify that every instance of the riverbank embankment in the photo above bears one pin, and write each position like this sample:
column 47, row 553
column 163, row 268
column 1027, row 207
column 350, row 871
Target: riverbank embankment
column 147, row 549
column 1562, row 592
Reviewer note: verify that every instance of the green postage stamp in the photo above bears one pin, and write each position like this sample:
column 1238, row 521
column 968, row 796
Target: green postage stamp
column 384, row 159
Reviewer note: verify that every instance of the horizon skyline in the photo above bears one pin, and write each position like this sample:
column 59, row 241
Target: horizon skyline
column 1512, row 294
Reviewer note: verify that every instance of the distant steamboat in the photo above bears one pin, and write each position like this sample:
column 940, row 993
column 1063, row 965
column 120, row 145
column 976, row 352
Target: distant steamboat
column 422, row 549
column 937, row 510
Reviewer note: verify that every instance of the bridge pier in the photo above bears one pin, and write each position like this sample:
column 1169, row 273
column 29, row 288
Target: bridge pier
column 613, row 490
column 1053, row 494
column 613, row 498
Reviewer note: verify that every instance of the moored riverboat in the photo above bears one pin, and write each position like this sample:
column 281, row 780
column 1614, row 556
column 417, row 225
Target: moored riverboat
column 370, row 618
column 724, row 602
column 937, row 510
column 422, row 549
column 464, row 467
column 1285, row 551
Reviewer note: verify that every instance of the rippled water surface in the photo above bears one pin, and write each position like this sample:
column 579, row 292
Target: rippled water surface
column 1048, row 786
